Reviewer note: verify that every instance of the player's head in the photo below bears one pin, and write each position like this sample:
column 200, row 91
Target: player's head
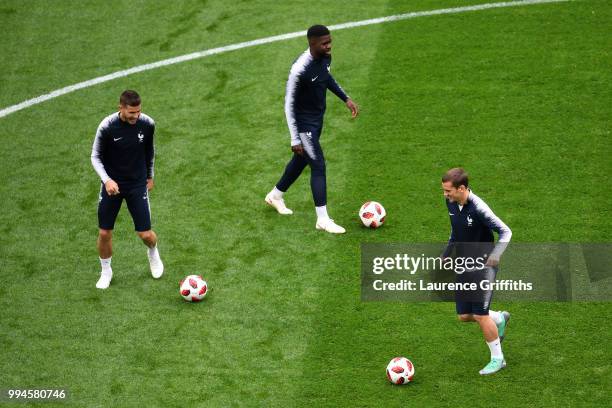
column 455, row 184
column 319, row 41
column 129, row 106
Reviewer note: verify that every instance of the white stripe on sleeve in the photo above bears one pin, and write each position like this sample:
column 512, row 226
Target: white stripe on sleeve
column 297, row 69
column 495, row 223
column 96, row 150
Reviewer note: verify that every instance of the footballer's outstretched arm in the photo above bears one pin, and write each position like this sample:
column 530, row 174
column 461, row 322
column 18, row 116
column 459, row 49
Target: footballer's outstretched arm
column 492, row 221
column 333, row 86
column 290, row 92
column 96, row 153
column 150, row 159
column 150, row 154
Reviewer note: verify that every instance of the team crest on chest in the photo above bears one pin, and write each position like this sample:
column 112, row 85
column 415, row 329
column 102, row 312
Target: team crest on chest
column 140, row 137
column 469, row 220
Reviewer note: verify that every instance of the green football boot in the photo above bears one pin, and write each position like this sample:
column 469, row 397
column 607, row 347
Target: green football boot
column 494, row 366
column 501, row 328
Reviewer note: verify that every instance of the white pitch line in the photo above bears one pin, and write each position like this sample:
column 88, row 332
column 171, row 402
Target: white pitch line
column 200, row 54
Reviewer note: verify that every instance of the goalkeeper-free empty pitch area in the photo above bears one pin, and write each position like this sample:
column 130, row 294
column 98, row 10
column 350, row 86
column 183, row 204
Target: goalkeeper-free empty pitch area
column 519, row 96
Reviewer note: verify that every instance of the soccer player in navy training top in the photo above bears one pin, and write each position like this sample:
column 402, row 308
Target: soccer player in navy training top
column 307, row 86
column 123, row 154
column 472, row 226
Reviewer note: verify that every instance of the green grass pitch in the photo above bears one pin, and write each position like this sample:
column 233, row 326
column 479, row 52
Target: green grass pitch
column 519, row 96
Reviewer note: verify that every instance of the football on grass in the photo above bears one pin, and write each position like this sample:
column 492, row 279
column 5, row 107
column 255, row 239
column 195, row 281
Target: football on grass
column 193, row 288
column 400, row 370
column 372, row 214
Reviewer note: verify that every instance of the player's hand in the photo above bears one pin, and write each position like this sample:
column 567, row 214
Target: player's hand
column 353, row 107
column 150, row 184
column 492, row 262
column 112, row 188
column 298, row 149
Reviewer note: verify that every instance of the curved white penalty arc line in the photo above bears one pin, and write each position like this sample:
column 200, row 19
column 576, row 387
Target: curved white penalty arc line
column 200, row 54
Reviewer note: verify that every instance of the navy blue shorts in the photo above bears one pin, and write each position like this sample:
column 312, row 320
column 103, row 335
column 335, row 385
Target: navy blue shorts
column 309, row 136
column 137, row 200
column 475, row 302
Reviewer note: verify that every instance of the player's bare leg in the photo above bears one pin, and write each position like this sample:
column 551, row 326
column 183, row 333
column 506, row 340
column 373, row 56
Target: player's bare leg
column 488, row 327
column 155, row 263
column 105, row 251
column 501, row 320
column 489, row 330
column 149, row 238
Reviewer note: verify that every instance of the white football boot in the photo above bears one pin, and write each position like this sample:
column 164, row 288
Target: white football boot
column 155, row 264
column 327, row 224
column 278, row 204
column 105, row 279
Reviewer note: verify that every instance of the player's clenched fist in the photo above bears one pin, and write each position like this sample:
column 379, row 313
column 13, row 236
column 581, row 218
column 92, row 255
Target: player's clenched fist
column 111, row 187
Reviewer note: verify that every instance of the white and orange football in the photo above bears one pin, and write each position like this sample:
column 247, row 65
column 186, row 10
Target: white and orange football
column 372, row 214
column 193, row 288
column 400, row 370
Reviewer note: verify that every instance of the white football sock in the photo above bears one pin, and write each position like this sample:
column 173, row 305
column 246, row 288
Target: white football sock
column 496, row 316
column 153, row 251
column 495, row 347
column 321, row 212
column 276, row 193
column 106, row 264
